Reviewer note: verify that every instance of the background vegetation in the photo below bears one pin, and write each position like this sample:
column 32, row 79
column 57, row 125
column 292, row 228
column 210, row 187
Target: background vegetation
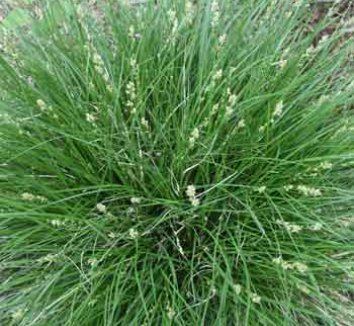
column 185, row 164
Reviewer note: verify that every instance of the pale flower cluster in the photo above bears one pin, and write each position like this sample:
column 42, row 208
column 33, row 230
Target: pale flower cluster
column 172, row 16
column 282, row 63
column 305, row 190
column 189, row 9
column 111, row 235
column 30, row 197
column 91, row 118
column 170, row 312
column 262, row 128
column 133, row 234
column 255, row 298
column 50, row 258
column 323, row 166
column 290, row 227
column 57, row 223
column 100, row 68
column 300, row 267
column 261, row 189
column 130, row 91
column 145, row 123
column 303, row 288
column 230, row 103
column 41, row 104
column 194, row 137
column 288, row 187
column 132, row 34
column 237, row 288
column 17, row 315
column 241, row 124
column 316, row 227
column 192, row 195
column 215, row 11
column 222, row 39
column 45, row 108
column 92, row 261
column 309, row 191
column 278, row 111
column 218, row 75
column 135, row 200
column 101, row 208
column 215, row 77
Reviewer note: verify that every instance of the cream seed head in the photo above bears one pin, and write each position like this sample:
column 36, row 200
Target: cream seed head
column 284, row 264
column 191, row 191
column 303, row 288
column 214, row 6
column 28, row 196
column 17, row 315
column 144, row 123
column 101, row 208
column 309, row 191
column 133, row 234
column 326, row 165
column 97, row 59
column 310, row 50
column 292, row 228
column 229, row 111
column 232, row 99
column 241, row 124
column 255, row 298
column 222, row 39
column 215, row 10
column 218, row 75
column 288, row 187
column 302, row 268
column 231, row 103
column 50, row 258
column 189, row 9
column 277, row 260
column 215, row 108
column 192, row 195
column 135, row 200
column 261, row 189
column 91, row 118
column 195, row 202
column 171, row 14
column 282, row 64
column 133, row 64
column 194, row 137
column 57, row 223
column 111, row 235
column 170, row 312
column 278, row 111
column 131, row 89
column 31, row 197
column 92, row 261
column 195, row 133
column 41, row 199
column 131, row 31
column 41, row 104
column 316, row 227
column 109, row 88
column 237, row 288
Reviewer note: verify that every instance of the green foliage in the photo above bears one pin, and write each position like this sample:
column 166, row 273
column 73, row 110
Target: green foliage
column 16, row 18
column 181, row 164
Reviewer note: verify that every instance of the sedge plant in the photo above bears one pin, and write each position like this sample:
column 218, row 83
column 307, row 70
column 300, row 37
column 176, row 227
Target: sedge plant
column 185, row 163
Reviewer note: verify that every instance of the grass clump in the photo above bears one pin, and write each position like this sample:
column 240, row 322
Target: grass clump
column 184, row 164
